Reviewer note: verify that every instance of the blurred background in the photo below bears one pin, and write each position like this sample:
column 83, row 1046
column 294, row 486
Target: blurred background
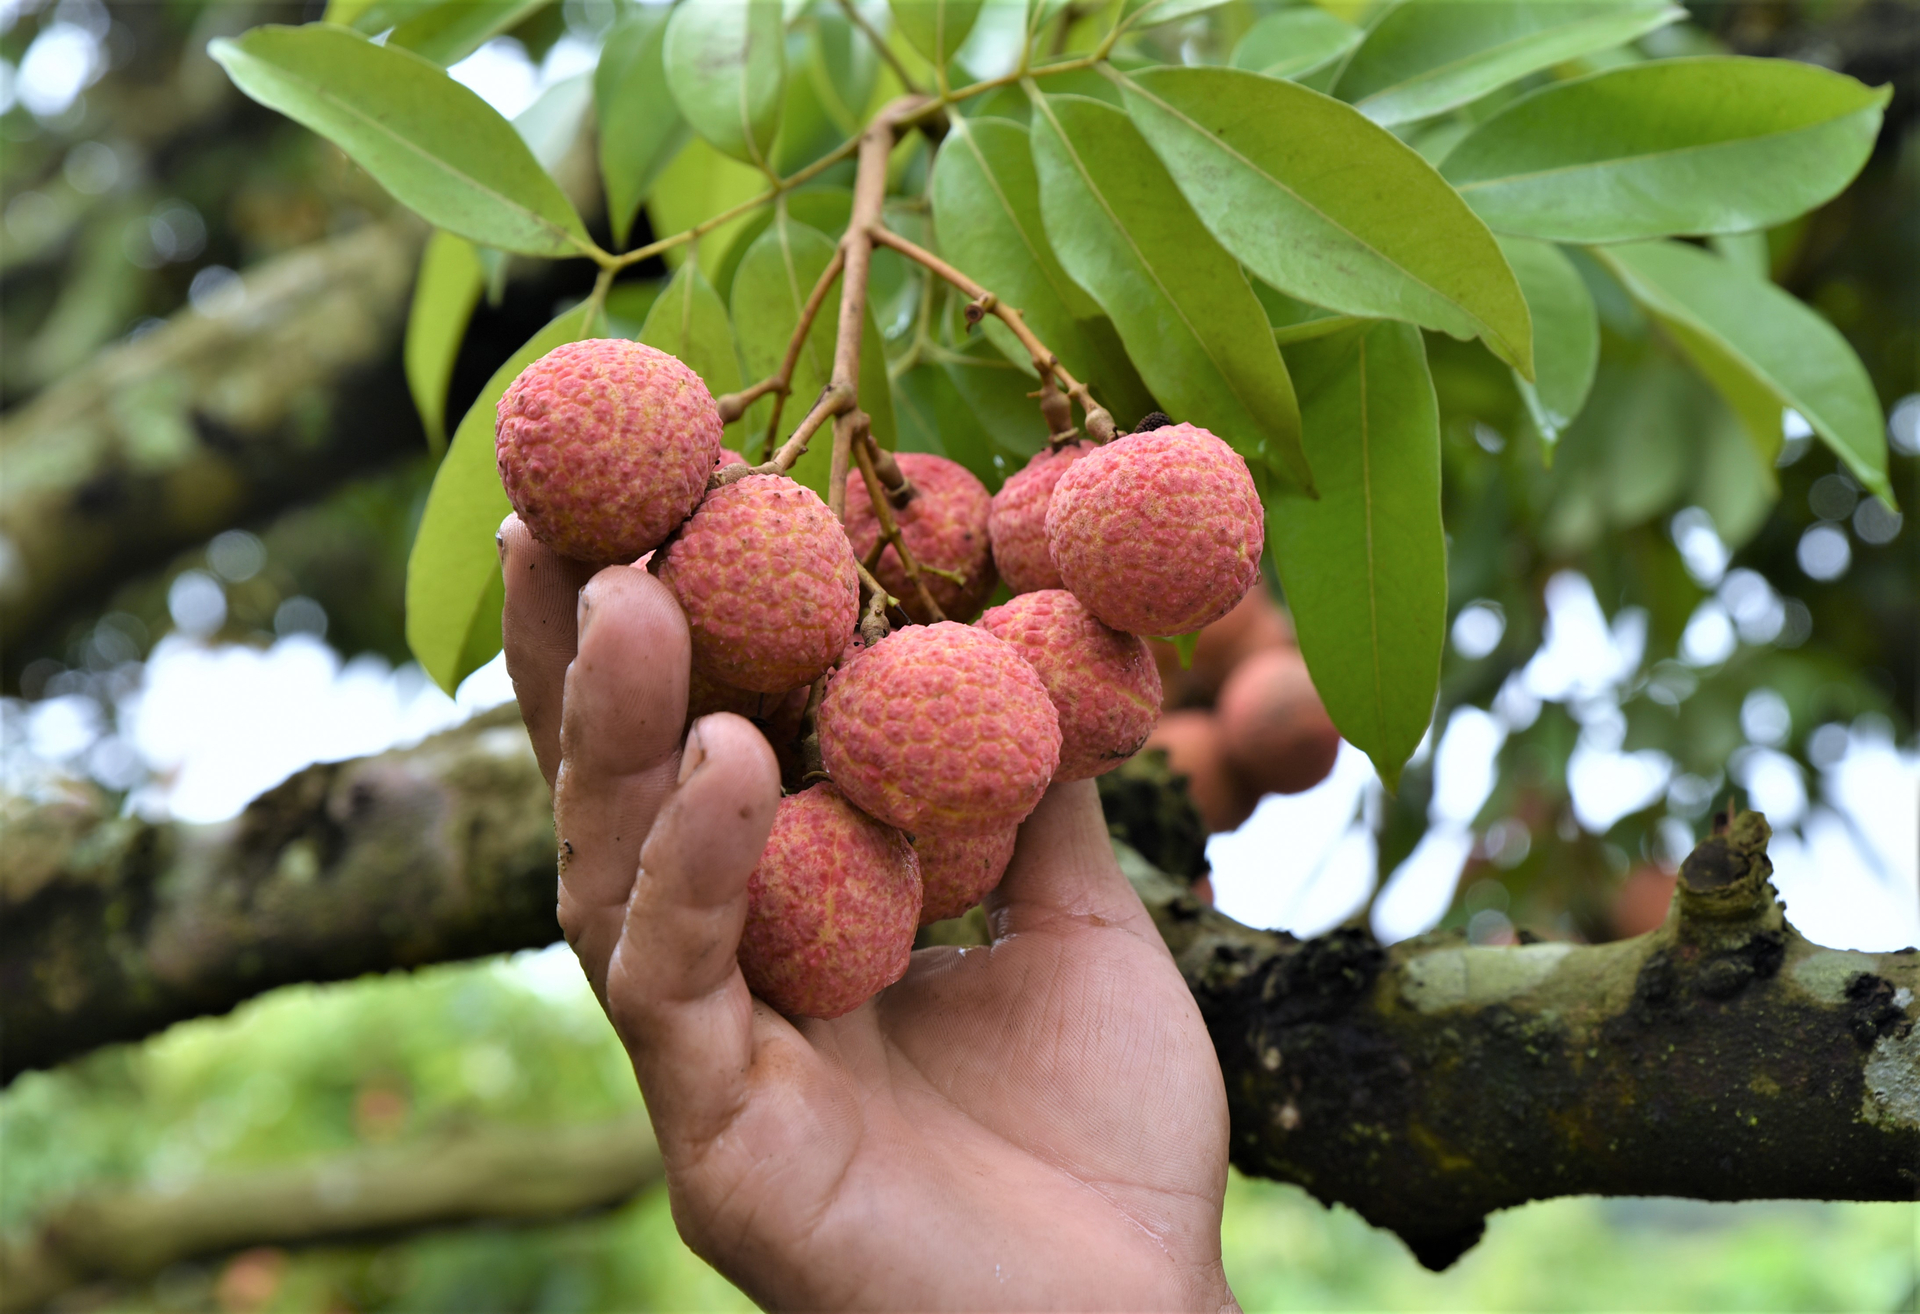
column 205, row 419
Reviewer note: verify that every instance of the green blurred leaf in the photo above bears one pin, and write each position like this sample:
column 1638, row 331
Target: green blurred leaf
column 726, row 66
column 1294, row 41
column 933, row 417
column 1747, row 250
column 453, row 572
column 1040, row 13
column 825, row 208
column 1285, row 335
column 986, row 208
column 831, row 71
column 440, row 149
column 445, row 292
column 1566, row 334
column 698, row 184
column 1181, row 305
column 1327, row 206
column 1138, row 14
column 996, row 392
column 1364, row 567
column 936, row 28
column 551, row 125
column 1672, row 146
column 448, row 32
column 1424, row 57
column 1763, row 348
column 640, row 126
column 689, row 320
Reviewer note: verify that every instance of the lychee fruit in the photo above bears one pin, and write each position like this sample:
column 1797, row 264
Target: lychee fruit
column 605, row 446
column 940, row 730
column 1192, row 742
column 768, row 583
column 944, row 525
column 831, row 907
column 1254, row 625
column 1018, row 521
column 1274, row 728
column 1158, row 532
column 957, row 870
column 728, row 457
column 1103, row 683
column 1640, row 905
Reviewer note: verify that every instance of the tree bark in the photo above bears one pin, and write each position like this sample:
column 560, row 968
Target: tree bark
column 1424, row 1084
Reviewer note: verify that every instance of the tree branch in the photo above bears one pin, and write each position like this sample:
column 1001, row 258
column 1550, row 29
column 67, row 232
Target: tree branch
column 734, row 404
column 863, row 449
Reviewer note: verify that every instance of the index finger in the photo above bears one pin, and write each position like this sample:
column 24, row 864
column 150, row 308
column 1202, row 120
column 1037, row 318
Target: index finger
column 537, row 629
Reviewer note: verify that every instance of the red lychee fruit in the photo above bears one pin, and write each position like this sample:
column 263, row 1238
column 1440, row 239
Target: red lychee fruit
column 940, row 730
column 957, row 870
column 1274, row 727
column 1103, row 683
column 945, row 526
column 1254, row 625
column 1158, row 532
column 1193, row 747
column 605, row 446
column 1642, row 902
column 768, row 582
column 831, row 907
column 1018, row 521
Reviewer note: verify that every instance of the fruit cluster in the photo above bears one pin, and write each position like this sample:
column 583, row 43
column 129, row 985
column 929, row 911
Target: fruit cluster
column 916, row 754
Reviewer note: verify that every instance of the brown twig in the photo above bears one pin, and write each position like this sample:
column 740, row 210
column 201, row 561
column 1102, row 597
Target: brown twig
column 1099, row 423
column 890, row 528
column 734, row 404
column 834, row 399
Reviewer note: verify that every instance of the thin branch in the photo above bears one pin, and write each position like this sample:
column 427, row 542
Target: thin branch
column 734, row 404
column 833, row 400
column 881, row 48
column 890, row 528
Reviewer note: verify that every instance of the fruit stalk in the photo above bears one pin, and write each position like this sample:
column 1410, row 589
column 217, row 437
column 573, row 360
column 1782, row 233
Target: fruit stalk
column 734, row 404
column 889, row 527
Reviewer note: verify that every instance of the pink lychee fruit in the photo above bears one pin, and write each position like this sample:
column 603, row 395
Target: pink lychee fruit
column 957, row 870
column 605, row 446
column 1104, row 684
column 1192, row 742
column 831, row 907
column 944, row 525
column 768, row 583
column 1275, row 729
column 940, row 730
column 1157, row 532
column 1018, row 522
column 728, row 457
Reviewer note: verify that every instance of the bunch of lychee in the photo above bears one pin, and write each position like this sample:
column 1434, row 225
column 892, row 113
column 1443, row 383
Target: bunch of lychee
column 911, row 758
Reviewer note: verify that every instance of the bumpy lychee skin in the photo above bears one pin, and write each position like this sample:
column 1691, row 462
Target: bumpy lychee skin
column 831, row 907
column 1018, row 521
column 956, row 871
column 605, row 446
column 768, row 582
column 1158, row 532
column 1275, row 730
column 945, row 526
column 940, row 730
column 1103, row 683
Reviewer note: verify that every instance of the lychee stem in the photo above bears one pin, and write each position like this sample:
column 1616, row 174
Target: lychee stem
column 833, row 400
column 734, row 404
column 890, row 528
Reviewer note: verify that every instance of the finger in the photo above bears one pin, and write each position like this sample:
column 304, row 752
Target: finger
column 624, row 704
column 537, row 630
column 674, row 989
column 1063, row 868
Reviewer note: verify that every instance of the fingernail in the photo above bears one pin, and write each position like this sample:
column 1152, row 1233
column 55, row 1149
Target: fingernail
column 692, row 755
column 581, row 608
column 500, row 543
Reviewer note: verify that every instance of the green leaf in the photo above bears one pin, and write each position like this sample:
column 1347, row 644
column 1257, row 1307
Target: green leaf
column 1136, row 14
column 1365, row 566
column 551, row 125
column 1193, row 327
column 1747, row 250
column 986, row 209
column 1763, row 349
column 1039, row 14
column 726, row 66
column 1424, row 57
column 440, row 149
column 1328, row 206
column 996, row 393
column 831, row 71
column 1185, row 645
column 698, row 184
column 640, row 126
column 935, row 418
column 1293, row 42
column 1672, row 146
column 448, row 32
column 1285, row 335
column 1566, row 334
column 936, row 28
column 689, row 321
column 444, row 294
column 453, row 572
column 769, row 290
column 825, row 208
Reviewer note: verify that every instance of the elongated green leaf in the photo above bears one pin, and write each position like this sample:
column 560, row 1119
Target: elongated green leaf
column 1327, row 206
column 1566, row 334
column 831, row 70
column 1425, row 57
column 933, row 417
column 936, row 28
column 1191, row 324
column 444, row 294
column 1672, row 146
column 996, row 392
column 640, row 126
column 441, row 150
column 1136, row 14
column 1763, row 349
column 551, row 125
column 688, row 320
column 453, row 572
column 1293, row 42
column 769, row 290
column 448, row 32
column 1307, row 330
column 697, row 185
column 986, row 208
column 1039, row 13
column 825, row 208
column 726, row 66
column 1365, row 566
column 1747, row 250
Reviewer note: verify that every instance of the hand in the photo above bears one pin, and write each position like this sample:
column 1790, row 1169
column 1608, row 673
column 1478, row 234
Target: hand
column 1036, row 1124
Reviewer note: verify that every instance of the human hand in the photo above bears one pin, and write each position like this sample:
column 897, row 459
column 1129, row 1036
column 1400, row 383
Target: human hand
column 1039, row 1123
